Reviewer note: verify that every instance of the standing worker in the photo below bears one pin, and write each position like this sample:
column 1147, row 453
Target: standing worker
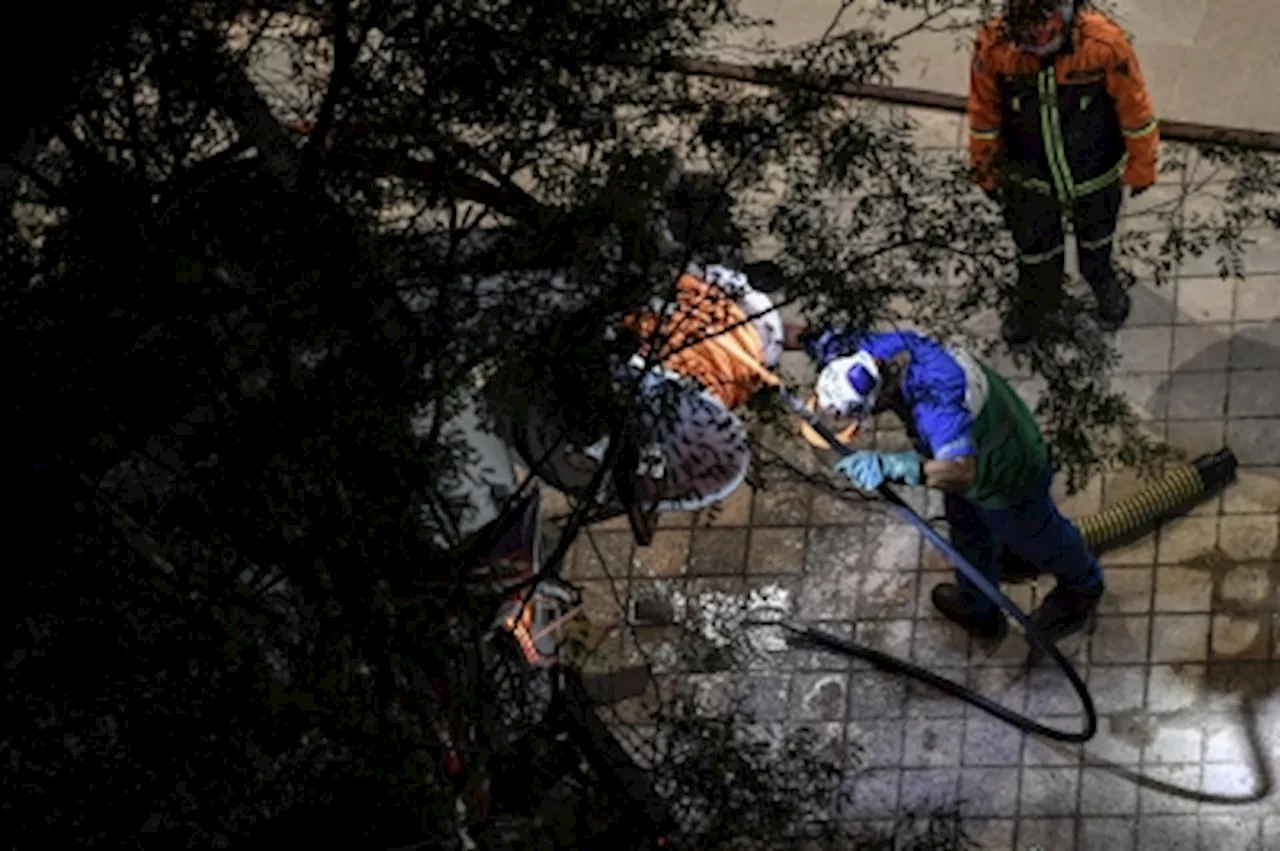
column 1059, row 120
column 977, row 442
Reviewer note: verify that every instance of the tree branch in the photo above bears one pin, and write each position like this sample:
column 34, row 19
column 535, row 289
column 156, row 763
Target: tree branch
column 344, row 58
column 503, row 196
column 253, row 117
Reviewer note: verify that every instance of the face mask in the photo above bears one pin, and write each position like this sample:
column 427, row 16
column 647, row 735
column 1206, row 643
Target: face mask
column 1045, row 38
column 1048, row 35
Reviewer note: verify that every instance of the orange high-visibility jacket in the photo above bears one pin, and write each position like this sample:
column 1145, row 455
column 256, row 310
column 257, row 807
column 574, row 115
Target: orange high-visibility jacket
column 1067, row 125
column 689, row 333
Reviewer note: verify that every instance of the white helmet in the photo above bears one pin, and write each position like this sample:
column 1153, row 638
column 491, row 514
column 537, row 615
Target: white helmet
column 849, row 386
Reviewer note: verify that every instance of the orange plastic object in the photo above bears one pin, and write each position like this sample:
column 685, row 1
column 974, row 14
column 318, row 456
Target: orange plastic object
column 818, row 441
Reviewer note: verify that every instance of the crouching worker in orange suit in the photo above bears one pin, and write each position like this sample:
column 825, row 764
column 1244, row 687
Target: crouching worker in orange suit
column 1059, row 121
column 716, row 340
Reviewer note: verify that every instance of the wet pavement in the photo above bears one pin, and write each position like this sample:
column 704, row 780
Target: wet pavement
column 1184, row 665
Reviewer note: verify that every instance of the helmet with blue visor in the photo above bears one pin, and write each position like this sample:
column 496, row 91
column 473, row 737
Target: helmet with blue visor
column 849, row 387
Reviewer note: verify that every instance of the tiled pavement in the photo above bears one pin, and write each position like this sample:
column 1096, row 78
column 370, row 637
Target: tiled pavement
column 1185, row 664
column 1185, row 661
column 1182, row 663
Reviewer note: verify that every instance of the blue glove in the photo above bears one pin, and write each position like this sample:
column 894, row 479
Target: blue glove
column 869, row 470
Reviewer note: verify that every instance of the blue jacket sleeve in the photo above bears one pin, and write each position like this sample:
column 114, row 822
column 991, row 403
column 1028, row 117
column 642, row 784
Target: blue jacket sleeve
column 947, row 428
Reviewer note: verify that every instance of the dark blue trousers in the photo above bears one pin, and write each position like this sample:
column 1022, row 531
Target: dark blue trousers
column 1034, row 530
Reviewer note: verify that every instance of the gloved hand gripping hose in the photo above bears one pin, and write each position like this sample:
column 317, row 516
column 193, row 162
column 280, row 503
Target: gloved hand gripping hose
column 990, row 590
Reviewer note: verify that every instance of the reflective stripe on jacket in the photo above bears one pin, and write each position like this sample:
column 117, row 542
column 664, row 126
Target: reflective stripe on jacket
column 1066, row 125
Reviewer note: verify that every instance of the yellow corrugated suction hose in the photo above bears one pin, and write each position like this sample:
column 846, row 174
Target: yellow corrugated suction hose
column 1172, row 491
column 1129, row 515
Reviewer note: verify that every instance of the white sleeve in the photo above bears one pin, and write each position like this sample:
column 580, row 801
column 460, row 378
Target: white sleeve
column 767, row 322
column 734, row 284
column 756, row 305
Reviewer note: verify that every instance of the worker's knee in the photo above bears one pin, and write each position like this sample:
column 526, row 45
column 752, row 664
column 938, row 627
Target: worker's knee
column 965, row 520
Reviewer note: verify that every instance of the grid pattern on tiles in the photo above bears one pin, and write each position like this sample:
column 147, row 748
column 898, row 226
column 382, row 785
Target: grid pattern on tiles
column 1185, row 660
column 1186, row 647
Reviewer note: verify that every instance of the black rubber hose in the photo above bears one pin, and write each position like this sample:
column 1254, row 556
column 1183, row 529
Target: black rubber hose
column 1217, row 470
column 1037, row 639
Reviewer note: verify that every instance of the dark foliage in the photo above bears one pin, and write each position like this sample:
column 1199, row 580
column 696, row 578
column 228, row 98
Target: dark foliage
column 237, row 352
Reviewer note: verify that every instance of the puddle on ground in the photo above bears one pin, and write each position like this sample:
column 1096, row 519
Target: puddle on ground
column 1135, row 728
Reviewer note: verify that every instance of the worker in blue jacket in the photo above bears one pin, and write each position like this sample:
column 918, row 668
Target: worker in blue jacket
column 977, row 442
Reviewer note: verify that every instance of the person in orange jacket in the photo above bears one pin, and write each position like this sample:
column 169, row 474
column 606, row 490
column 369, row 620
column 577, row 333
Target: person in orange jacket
column 712, row 343
column 1059, row 121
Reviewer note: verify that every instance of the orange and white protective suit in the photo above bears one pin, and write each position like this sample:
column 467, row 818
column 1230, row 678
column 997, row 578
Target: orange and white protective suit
column 710, row 311
column 700, row 451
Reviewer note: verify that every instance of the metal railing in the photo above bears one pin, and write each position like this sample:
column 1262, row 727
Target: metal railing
column 1173, row 131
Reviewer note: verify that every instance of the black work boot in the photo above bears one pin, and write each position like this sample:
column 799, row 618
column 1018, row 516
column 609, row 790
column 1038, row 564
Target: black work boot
column 1064, row 613
column 948, row 600
column 1037, row 298
column 1113, row 303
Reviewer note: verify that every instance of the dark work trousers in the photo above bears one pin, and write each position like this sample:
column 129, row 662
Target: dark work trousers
column 1035, row 221
column 1034, row 530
